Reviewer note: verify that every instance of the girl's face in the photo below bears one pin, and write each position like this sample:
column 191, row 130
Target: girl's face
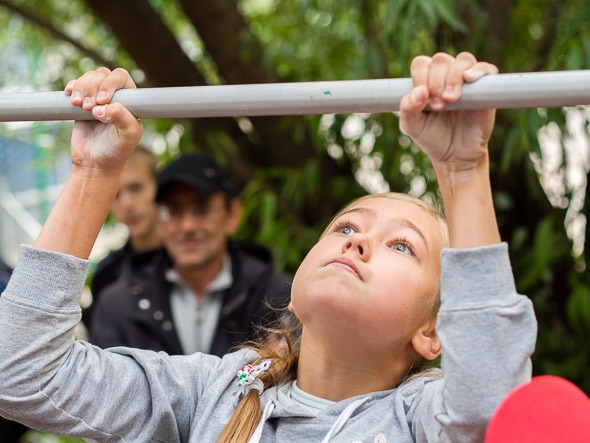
column 371, row 281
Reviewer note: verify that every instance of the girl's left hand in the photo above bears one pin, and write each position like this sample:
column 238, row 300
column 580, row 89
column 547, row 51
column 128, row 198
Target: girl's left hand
column 455, row 141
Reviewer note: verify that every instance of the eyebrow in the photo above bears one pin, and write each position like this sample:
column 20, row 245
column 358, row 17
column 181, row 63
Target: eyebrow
column 395, row 221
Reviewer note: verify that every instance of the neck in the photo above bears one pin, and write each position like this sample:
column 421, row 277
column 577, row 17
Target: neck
column 198, row 278
column 144, row 243
column 339, row 372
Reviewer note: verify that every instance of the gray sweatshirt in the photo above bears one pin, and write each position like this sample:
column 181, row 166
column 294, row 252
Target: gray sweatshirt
column 51, row 382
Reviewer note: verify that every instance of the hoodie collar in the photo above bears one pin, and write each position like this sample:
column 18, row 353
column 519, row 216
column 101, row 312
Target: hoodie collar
column 278, row 403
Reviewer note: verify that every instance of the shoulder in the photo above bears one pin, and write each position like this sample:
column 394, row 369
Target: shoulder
column 421, row 395
column 142, row 266
column 253, row 262
column 250, row 252
column 253, row 271
column 202, row 368
column 106, row 268
column 115, row 255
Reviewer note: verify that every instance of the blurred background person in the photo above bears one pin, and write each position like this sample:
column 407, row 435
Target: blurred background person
column 135, row 207
column 204, row 292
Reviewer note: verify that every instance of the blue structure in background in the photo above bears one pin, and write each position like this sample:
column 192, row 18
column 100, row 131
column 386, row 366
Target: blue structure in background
column 17, row 165
column 27, row 169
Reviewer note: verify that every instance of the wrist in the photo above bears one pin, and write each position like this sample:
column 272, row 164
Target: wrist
column 93, row 173
column 97, row 185
column 469, row 207
column 459, row 172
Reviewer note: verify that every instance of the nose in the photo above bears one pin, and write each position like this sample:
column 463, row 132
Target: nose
column 125, row 200
column 359, row 244
column 188, row 222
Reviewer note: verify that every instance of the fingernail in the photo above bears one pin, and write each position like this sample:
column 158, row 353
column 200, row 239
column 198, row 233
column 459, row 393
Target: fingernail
column 449, row 92
column 102, row 95
column 87, row 101
column 472, row 74
column 417, row 96
column 76, row 95
column 99, row 111
column 436, row 103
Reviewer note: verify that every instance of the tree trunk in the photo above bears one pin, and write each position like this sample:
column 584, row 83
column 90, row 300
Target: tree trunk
column 141, row 32
column 238, row 56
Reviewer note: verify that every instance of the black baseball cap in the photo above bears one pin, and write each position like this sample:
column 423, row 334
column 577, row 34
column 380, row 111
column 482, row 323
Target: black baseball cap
column 199, row 171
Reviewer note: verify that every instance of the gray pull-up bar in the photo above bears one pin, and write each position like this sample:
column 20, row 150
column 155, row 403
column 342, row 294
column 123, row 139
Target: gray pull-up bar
column 524, row 90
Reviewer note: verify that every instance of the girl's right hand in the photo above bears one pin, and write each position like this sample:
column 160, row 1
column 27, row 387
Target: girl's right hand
column 105, row 144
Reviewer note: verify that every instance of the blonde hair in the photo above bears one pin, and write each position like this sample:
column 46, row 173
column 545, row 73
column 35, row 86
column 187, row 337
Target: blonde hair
column 434, row 210
column 285, row 357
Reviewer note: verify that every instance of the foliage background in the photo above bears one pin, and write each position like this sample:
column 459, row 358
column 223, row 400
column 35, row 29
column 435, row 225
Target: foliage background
column 297, row 171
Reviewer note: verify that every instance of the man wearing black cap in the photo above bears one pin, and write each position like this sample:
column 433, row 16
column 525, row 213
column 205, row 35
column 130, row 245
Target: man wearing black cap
column 205, row 292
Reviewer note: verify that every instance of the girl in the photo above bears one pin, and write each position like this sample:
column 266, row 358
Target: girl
column 367, row 296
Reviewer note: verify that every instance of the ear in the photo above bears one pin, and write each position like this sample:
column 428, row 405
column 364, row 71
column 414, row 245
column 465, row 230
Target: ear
column 235, row 215
column 290, row 308
column 426, row 342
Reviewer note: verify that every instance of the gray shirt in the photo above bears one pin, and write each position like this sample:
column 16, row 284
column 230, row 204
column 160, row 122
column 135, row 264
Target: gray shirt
column 311, row 402
column 196, row 319
column 51, row 382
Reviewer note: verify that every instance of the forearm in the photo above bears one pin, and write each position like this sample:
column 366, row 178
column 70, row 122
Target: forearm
column 79, row 212
column 38, row 311
column 469, row 206
column 56, row 384
column 488, row 334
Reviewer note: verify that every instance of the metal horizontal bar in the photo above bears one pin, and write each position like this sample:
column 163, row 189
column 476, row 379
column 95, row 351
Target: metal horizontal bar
column 522, row 90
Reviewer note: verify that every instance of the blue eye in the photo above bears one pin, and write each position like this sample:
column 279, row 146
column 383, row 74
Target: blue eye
column 403, row 247
column 344, row 227
column 346, row 230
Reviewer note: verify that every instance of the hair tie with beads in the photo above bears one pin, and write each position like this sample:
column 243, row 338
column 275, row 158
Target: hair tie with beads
column 248, row 380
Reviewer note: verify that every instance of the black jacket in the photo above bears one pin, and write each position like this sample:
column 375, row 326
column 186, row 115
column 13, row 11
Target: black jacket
column 135, row 309
column 5, row 273
column 109, row 270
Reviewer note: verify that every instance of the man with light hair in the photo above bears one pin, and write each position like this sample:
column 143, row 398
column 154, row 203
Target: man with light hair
column 134, row 206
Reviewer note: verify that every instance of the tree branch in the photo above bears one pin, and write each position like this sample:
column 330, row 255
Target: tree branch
column 238, row 56
column 56, row 33
column 143, row 34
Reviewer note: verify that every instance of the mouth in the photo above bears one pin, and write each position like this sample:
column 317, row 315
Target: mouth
column 189, row 243
column 347, row 265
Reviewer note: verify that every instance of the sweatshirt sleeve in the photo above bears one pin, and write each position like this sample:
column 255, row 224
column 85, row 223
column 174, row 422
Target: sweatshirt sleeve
column 53, row 383
column 488, row 334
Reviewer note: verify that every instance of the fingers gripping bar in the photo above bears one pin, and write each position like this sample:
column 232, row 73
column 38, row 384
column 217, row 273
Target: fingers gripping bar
column 521, row 90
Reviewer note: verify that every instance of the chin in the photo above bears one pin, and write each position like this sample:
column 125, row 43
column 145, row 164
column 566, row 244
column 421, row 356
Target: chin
column 137, row 232
column 328, row 298
column 190, row 264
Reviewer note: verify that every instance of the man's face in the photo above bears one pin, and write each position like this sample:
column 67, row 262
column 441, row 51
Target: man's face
column 195, row 227
column 134, row 204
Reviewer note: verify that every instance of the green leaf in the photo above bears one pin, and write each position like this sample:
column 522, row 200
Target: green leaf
column 268, row 211
column 578, row 310
column 446, row 10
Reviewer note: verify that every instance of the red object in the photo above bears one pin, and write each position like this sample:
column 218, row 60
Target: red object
column 547, row 409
